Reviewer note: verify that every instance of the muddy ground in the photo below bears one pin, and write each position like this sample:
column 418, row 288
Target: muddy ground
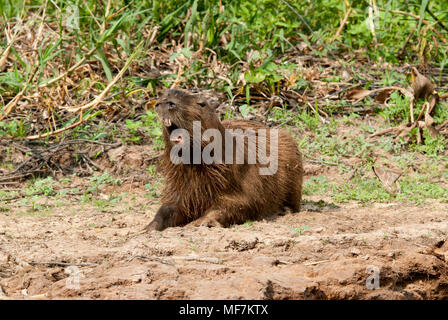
column 323, row 252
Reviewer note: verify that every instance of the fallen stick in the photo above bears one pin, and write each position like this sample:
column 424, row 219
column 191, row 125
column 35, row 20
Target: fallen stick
column 10, row 199
column 63, row 264
column 103, row 94
column 73, row 68
column 343, row 23
column 200, row 259
column 154, row 259
column 52, row 133
column 87, row 55
column 4, row 55
column 314, row 263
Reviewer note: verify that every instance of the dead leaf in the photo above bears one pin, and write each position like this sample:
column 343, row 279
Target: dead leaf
column 384, row 95
column 303, row 47
column 429, row 125
column 422, row 86
column 444, row 126
column 153, row 73
column 389, row 179
column 357, row 94
column 434, row 100
column 346, row 76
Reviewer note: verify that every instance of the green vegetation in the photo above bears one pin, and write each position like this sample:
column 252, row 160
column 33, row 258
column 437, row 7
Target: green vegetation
column 424, row 167
column 56, row 57
column 299, row 230
column 254, row 39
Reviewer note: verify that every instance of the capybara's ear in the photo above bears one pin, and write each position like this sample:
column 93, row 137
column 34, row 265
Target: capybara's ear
column 211, row 104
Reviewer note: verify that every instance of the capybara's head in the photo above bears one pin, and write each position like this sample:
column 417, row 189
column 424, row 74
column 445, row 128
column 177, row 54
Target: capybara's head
column 178, row 109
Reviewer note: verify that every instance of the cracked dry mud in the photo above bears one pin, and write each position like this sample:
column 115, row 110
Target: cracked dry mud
column 278, row 258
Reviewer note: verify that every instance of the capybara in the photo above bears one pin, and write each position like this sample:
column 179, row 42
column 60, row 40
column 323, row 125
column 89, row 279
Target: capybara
column 230, row 191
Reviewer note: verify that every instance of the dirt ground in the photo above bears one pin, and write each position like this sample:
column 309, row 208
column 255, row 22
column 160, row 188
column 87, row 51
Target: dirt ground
column 323, row 252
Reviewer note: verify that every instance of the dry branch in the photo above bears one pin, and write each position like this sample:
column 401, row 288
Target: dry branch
column 103, row 94
column 343, row 23
column 62, row 264
column 98, row 100
column 12, row 104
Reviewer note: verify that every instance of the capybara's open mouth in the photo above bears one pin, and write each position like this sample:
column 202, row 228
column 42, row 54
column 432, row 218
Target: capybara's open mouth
column 170, row 126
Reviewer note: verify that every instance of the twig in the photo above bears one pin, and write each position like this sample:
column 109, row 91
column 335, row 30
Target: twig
column 200, row 259
column 422, row 245
column 153, row 158
column 5, row 53
column 284, row 122
column 74, row 125
column 153, row 35
column 17, row 176
column 63, row 264
column 12, row 104
column 103, row 94
column 10, row 199
column 51, row 150
column 154, row 259
column 77, row 141
column 343, row 23
column 74, row 67
column 314, row 263
column 86, row 158
column 41, row 26
column 93, row 16
column 87, row 55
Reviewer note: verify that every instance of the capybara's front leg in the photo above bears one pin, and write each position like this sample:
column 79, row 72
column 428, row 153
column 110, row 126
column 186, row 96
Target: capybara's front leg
column 166, row 216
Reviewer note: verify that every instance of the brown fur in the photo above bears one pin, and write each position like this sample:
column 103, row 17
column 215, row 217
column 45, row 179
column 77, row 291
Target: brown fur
column 222, row 194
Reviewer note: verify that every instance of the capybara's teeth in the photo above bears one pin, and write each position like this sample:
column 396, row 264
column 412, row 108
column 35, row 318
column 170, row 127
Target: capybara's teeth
column 166, row 122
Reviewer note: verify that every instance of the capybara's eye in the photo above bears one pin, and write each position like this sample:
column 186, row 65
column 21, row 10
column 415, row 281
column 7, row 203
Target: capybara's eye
column 202, row 104
column 171, row 105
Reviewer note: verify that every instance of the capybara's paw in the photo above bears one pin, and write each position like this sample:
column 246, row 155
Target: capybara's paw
column 206, row 222
column 154, row 225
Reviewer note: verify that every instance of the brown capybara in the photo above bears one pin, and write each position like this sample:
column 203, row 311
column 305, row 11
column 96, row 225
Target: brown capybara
column 234, row 187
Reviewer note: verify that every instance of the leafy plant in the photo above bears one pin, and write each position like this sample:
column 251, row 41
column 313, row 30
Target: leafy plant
column 299, row 230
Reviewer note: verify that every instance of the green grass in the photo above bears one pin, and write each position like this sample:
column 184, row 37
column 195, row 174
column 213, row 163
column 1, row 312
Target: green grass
column 244, row 49
column 299, row 230
column 424, row 167
column 99, row 181
column 416, row 189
